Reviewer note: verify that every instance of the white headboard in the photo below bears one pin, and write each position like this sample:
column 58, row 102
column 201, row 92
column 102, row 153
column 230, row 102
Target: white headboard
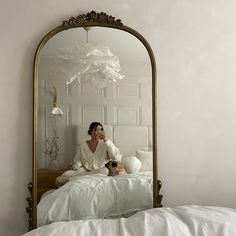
column 127, row 138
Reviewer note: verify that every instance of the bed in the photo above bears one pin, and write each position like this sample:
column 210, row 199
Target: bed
column 101, row 196
column 96, row 197
column 189, row 220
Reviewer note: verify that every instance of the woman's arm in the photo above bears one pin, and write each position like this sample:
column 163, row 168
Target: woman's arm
column 113, row 151
column 77, row 160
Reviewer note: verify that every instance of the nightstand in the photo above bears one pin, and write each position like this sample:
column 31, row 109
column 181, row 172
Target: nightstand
column 46, row 180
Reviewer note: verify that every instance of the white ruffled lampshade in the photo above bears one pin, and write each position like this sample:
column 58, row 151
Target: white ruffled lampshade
column 89, row 62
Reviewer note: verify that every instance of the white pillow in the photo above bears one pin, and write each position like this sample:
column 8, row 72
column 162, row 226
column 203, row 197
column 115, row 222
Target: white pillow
column 132, row 164
column 146, row 158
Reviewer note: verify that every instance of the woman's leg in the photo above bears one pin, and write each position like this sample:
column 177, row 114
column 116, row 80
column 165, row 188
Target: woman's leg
column 102, row 170
column 64, row 178
column 82, row 171
column 71, row 173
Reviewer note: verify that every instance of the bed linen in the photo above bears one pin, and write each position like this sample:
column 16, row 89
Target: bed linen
column 179, row 221
column 96, row 197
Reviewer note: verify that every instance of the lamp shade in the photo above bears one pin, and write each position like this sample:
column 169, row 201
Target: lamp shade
column 89, row 63
column 56, row 111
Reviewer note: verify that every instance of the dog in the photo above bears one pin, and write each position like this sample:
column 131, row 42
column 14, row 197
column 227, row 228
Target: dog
column 115, row 168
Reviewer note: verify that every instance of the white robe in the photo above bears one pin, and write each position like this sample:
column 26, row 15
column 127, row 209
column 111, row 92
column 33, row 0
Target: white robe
column 104, row 152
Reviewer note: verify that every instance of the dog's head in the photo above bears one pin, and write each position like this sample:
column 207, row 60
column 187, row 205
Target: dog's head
column 115, row 168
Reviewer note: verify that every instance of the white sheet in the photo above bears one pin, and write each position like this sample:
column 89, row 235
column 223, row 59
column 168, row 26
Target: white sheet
column 97, row 197
column 180, row 221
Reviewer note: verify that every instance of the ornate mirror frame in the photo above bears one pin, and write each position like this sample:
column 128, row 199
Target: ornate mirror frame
column 86, row 20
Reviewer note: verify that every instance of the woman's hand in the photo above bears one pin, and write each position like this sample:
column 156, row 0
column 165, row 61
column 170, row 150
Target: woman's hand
column 102, row 135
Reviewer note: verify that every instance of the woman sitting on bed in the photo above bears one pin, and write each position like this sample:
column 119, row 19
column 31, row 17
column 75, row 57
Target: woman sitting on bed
column 92, row 155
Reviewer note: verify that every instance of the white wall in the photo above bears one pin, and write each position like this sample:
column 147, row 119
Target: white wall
column 194, row 42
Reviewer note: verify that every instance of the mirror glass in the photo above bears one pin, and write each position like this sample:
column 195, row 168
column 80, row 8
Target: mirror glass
column 123, row 107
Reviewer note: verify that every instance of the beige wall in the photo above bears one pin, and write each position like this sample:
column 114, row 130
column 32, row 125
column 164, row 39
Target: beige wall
column 194, row 42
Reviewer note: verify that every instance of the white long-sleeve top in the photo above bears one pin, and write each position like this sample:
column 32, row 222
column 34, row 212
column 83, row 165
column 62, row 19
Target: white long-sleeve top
column 104, row 152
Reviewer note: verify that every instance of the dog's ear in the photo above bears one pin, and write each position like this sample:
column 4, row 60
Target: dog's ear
column 111, row 164
column 115, row 168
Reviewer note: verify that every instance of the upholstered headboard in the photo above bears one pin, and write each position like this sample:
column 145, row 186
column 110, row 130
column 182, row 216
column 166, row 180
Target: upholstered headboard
column 127, row 138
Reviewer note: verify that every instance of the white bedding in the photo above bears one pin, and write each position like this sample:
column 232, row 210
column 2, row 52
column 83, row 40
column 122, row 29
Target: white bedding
column 96, row 197
column 180, row 221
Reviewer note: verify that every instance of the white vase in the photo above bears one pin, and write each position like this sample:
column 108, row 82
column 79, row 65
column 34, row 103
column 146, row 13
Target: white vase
column 54, row 165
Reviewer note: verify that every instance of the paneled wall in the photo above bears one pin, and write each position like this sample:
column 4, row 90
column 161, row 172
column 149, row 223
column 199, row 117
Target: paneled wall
column 127, row 102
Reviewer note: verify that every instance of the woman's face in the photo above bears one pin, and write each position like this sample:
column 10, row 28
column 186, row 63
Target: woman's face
column 95, row 130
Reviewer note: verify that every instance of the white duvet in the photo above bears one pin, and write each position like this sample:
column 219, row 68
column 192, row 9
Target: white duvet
column 96, row 197
column 180, row 221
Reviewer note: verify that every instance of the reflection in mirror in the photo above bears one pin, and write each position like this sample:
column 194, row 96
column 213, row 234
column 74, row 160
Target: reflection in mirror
column 65, row 110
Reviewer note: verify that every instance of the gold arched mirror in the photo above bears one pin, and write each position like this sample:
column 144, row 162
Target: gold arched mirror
column 94, row 68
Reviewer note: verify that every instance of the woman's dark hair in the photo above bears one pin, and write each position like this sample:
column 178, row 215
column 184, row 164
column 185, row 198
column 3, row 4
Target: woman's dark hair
column 93, row 126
